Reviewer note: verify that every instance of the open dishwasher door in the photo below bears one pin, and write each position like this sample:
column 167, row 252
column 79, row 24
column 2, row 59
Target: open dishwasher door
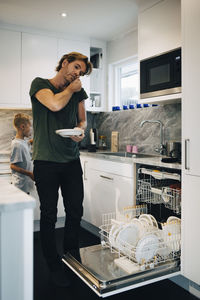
column 137, row 248
column 98, row 269
column 116, row 266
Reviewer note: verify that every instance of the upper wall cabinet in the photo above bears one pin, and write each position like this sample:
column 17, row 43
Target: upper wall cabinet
column 159, row 31
column 190, row 140
column 10, row 68
column 159, row 28
column 39, row 59
column 37, row 55
column 66, row 46
column 191, row 75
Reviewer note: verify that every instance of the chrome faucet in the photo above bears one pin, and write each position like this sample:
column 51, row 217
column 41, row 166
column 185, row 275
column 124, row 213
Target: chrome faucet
column 161, row 148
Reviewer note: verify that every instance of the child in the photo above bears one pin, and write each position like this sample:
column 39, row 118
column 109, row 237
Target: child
column 21, row 164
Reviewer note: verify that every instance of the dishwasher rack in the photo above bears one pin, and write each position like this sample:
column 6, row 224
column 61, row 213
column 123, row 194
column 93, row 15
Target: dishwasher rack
column 153, row 248
column 159, row 187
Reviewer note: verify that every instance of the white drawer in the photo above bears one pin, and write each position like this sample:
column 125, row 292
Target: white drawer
column 118, row 168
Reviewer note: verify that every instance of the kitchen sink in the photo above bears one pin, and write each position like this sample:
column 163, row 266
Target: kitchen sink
column 128, row 154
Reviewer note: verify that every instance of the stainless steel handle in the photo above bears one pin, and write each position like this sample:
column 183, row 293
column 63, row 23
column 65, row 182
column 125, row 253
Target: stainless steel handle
column 106, row 177
column 84, row 170
column 186, row 154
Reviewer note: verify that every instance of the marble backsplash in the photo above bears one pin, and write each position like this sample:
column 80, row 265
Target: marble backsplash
column 127, row 123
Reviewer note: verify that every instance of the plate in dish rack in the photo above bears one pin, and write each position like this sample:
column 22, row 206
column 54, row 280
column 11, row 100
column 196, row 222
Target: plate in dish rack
column 150, row 219
column 174, row 219
column 69, row 132
column 171, row 232
column 146, row 248
column 127, row 238
column 140, row 226
column 115, row 229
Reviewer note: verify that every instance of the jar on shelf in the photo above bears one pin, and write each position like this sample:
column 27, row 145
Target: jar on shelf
column 102, row 142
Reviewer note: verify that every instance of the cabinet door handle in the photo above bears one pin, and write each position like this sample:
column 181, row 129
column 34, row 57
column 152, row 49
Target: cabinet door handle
column 186, row 154
column 106, row 177
column 84, row 170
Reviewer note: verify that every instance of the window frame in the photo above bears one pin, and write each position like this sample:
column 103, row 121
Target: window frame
column 114, row 91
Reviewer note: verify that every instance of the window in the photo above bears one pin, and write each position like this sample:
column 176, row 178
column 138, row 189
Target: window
column 128, row 84
column 124, row 83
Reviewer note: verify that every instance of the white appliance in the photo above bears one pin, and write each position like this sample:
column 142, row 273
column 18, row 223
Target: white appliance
column 161, row 75
column 118, row 264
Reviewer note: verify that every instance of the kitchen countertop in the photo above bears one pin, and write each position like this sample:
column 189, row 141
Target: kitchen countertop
column 151, row 161
column 13, row 199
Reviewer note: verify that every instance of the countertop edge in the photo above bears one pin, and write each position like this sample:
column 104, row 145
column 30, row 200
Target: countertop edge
column 13, row 199
column 151, row 161
column 9, row 207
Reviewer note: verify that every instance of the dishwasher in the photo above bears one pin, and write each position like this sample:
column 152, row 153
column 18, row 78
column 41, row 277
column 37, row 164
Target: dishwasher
column 140, row 244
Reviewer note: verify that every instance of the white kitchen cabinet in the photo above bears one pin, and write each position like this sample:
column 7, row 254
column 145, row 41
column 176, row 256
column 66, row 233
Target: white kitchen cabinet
column 190, row 228
column 37, row 55
column 60, row 213
column 190, row 139
column 159, row 28
column 10, row 68
column 34, row 194
column 65, row 46
column 108, row 187
column 85, row 163
column 159, row 31
column 16, row 243
column 39, row 59
column 190, row 88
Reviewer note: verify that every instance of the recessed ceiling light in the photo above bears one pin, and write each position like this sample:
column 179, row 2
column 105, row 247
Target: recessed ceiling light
column 63, row 15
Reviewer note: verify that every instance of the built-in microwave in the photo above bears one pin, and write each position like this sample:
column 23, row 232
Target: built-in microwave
column 161, row 75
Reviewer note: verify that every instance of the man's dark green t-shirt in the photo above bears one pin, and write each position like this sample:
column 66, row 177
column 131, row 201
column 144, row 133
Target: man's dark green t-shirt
column 47, row 145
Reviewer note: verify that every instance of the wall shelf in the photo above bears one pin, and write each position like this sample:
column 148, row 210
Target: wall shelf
column 166, row 99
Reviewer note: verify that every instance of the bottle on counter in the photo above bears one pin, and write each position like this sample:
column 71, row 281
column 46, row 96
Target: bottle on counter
column 92, row 141
column 92, row 145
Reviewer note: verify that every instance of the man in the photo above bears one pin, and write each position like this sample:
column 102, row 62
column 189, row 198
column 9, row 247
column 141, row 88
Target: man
column 58, row 103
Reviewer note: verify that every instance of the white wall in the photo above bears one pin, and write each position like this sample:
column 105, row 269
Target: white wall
column 118, row 50
column 122, row 47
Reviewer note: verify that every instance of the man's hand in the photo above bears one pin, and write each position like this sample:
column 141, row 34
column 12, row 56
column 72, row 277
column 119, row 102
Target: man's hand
column 78, row 138
column 75, row 86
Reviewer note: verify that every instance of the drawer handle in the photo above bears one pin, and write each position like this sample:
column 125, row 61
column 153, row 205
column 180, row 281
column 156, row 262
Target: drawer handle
column 186, row 154
column 106, row 177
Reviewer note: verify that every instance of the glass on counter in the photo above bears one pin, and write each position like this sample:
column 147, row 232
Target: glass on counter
column 102, row 142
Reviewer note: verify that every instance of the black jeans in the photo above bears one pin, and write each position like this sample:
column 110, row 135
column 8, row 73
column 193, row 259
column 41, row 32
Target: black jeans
column 49, row 177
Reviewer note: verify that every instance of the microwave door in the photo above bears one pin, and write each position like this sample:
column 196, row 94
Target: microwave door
column 160, row 75
column 98, row 269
